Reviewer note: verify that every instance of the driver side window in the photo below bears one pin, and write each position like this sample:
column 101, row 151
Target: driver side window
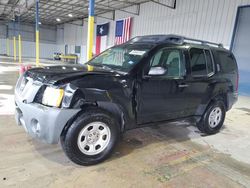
column 171, row 60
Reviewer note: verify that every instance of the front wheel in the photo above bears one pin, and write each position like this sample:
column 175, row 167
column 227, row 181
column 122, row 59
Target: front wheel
column 213, row 118
column 91, row 138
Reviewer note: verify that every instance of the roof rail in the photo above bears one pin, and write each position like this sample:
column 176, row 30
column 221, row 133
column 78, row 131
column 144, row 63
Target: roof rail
column 220, row 45
column 149, row 38
column 176, row 39
column 181, row 40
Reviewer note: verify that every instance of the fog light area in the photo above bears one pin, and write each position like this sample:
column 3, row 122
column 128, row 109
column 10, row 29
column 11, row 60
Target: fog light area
column 35, row 126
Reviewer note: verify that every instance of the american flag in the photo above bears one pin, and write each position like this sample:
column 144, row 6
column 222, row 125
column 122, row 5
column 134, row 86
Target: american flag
column 122, row 30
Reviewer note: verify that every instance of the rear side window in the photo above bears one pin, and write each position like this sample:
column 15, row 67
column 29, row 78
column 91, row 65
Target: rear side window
column 210, row 67
column 227, row 62
column 201, row 62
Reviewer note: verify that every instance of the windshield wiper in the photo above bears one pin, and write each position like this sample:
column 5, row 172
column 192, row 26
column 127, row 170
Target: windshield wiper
column 100, row 65
column 106, row 67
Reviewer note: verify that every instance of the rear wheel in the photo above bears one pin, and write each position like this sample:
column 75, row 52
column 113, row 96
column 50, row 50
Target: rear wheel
column 213, row 118
column 91, row 138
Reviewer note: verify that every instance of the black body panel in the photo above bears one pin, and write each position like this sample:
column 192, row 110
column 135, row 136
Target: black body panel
column 136, row 99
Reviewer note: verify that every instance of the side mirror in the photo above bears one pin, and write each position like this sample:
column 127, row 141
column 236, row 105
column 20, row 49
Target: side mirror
column 157, row 71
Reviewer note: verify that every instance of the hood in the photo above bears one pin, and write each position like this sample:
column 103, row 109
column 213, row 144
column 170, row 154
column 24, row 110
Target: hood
column 65, row 73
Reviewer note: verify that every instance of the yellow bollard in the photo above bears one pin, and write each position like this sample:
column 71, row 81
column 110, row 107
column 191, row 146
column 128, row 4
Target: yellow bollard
column 19, row 49
column 14, row 44
column 90, row 37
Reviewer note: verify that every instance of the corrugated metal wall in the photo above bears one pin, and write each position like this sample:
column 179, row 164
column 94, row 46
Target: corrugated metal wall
column 211, row 20
column 3, row 30
column 3, row 48
column 29, row 48
column 73, row 34
column 48, row 39
column 47, row 33
column 26, row 31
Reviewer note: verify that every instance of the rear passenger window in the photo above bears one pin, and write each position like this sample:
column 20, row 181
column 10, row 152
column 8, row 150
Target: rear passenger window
column 201, row 62
column 210, row 67
column 227, row 62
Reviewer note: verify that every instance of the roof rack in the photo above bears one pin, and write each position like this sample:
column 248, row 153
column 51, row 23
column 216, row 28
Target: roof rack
column 176, row 39
column 149, row 38
column 181, row 40
column 220, row 45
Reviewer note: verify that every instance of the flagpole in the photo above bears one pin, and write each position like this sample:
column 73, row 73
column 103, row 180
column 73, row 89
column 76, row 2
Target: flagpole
column 37, row 35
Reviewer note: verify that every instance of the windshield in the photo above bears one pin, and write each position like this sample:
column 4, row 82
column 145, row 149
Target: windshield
column 120, row 58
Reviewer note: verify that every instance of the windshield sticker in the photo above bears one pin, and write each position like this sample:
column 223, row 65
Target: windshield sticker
column 137, row 52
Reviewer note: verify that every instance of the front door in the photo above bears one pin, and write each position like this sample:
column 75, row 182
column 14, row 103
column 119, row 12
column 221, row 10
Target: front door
column 163, row 97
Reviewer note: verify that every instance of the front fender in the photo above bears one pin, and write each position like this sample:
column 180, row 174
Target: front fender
column 114, row 103
column 75, row 97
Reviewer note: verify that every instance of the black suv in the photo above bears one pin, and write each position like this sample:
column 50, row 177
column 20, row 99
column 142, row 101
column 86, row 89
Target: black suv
column 148, row 80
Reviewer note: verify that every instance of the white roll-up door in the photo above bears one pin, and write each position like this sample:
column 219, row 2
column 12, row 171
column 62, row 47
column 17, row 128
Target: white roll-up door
column 241, row 48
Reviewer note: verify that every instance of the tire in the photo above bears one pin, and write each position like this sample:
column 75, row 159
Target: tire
column 213, row 119
column 88, row 146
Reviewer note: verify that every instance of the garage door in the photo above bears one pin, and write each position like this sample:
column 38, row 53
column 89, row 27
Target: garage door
column 241, row 48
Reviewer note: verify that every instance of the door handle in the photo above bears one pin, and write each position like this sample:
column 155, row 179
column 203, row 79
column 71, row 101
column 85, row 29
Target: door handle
column 183, row 85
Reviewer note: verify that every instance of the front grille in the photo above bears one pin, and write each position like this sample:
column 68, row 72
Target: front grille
column 39, row 95
column 27, row 89
column 22, row 83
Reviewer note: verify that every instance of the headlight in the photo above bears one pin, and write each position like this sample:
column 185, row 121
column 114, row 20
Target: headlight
column 23, row 83
column 52, row 97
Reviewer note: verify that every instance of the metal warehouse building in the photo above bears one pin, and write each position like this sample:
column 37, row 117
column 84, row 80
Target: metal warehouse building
column 214, row 20
column 68, row 34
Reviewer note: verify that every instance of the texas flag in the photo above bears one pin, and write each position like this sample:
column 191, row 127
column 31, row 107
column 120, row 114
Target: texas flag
column 101, row 37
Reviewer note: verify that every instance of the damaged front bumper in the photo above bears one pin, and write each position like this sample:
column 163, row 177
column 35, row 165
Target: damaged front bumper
column 44, row 123
column 39, row 121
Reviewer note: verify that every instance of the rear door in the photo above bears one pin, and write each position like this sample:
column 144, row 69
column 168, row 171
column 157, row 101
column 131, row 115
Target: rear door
column 200, row 79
